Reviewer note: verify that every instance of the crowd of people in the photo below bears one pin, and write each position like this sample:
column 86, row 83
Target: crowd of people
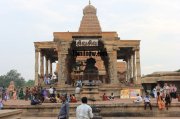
column 48, row 79
column 163, row 95
column 38, row 95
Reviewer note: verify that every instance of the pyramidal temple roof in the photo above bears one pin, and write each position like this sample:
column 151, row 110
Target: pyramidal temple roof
column 89, row 22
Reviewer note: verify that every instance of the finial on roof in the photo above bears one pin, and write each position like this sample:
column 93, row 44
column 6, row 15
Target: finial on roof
column 89, row 2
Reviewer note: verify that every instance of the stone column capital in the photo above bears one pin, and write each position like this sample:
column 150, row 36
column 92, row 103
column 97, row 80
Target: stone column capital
column 37, row 49
column 136, row 49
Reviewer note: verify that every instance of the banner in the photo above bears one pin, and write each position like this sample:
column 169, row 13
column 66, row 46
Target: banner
column 124, row 93
column 129, row 93
column 134, row 92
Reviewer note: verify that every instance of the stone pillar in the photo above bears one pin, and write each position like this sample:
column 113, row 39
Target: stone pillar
column 127, row 69
column 42, row 64
column 49, row 63
column 134, row 68
column 62, row 73
column 51, row 71
column 46, row 66
column 112, row 67
column 59, row 67
column 138, row 66
column 36, row 65
column 131, row 68
column 62, row 62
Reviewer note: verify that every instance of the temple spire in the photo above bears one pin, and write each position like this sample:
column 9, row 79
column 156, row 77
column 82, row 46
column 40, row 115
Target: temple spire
column 89, row 22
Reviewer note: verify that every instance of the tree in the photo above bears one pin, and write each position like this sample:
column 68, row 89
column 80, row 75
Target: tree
column 12, row 75
column 30, row 83
column 178, row 70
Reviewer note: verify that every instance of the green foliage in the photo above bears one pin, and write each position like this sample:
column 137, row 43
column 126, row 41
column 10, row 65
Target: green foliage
column 12, row 75
column 178, row 70
column 29, row 83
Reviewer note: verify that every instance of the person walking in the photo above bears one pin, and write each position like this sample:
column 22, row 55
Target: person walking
column 84, row 111
column 64, row 110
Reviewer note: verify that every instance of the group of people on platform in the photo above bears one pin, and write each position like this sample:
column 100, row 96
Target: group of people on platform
column 105, row 97
column 48, row 79
column 165, row 89
column 163, row 95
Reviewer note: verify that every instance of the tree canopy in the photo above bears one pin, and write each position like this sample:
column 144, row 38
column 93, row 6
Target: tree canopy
column 13, row 75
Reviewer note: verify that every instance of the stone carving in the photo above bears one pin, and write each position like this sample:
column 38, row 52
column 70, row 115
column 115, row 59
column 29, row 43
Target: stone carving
column 11, row 88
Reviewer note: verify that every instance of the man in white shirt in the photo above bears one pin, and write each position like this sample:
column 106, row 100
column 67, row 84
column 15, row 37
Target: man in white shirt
column 84, row 111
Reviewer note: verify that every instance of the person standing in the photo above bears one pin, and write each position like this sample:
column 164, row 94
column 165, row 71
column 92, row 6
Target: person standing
column 158, row 88
column 3, row 93
column 51, row 91
column 77, row 93
column 64, row 110
column 166, row 90
column 84, row 111
column 160, row 101
column 167, row 101
column 174, row 91
column 1, row 104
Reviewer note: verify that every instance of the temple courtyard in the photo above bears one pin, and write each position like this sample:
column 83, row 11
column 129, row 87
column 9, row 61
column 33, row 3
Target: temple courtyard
column 116, row 109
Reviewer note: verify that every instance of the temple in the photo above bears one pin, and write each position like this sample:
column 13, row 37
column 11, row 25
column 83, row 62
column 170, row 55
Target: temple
column 117, row 60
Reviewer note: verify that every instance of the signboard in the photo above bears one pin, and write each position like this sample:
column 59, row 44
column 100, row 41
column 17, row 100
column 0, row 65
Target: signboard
column 129, row 93
column 86, row 42
column 124, row 93
column 133, row 93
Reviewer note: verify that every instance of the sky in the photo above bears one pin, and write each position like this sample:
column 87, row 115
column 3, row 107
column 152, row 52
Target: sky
column 155, row 22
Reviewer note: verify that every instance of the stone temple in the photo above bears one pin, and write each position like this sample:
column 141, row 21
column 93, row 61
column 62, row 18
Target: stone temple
column 116, row 61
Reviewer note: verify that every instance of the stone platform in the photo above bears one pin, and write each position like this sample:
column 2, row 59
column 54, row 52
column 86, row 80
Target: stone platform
column 10, row 114
column 116, row 108
column 108, row 89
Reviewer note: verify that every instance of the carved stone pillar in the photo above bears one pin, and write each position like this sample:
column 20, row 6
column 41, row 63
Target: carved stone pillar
column 112, row 67
column 36, row 65
column 42, row 64
column 46, row 66
column 62, row 73
column 138, row 66
column 62, row 62
column 134, row 68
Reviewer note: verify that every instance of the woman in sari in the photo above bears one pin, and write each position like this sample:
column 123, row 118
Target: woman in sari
column 160, row 101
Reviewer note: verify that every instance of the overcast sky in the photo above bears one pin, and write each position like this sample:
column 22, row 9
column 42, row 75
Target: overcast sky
column 155, row 22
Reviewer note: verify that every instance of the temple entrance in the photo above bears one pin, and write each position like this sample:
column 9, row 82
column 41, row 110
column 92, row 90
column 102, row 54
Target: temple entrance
column 88, row 61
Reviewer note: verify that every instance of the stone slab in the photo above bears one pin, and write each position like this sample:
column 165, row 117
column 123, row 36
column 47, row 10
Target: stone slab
column 10, row 114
